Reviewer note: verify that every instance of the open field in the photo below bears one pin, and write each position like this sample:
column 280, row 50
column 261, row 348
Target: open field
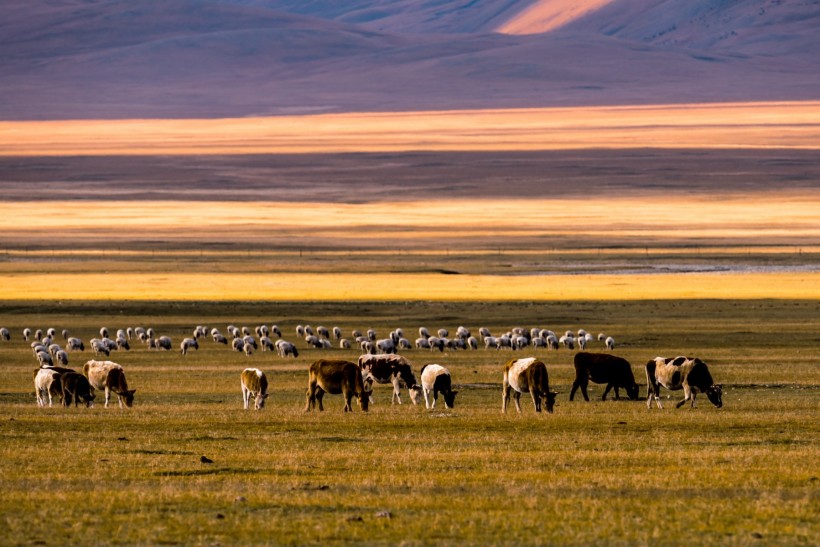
column 719, row 125
column 594, row 472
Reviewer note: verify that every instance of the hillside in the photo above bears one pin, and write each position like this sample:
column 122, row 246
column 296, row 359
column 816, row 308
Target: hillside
column 187, row 58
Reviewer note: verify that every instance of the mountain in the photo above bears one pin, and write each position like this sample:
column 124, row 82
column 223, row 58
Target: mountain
column 221, row 58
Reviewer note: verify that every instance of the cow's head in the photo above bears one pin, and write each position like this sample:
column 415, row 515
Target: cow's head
column 715, row 394
column 450, row 399
column 88, row 399
column 259, row 401
column 128, row 396
column 364, row 400
column 551, row 400
column 415, row 393
column 632, row 392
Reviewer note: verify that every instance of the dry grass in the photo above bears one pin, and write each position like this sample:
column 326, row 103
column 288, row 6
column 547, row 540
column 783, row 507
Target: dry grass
column 590, row 473
column 721, row 125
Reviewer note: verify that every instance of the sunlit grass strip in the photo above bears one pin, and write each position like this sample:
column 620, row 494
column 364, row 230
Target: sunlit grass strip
column 415, row 287
column 720, row 125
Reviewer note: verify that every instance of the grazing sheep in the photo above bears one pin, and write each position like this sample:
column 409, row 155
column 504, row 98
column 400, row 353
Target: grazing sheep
column 51, row 333
column 356, row 334
column 484, row 332
column 44, row 358
column 404, row 343
column 246, row 331
column 462, row 333
column 582, row 343
column 552, row 341
column 368, row 347
column 490, row 342
column 98, row 346
column 129, row 331
column 386, row 345
column 26, row 334
column 62, row 357
column 424, row 333
column 601, row 336
column 164, row 343
column 422, row 343
column 567, row 341
column 539, row 343
column 150, row 332
column 152, row 344
column 300, row 331
column 248, row 349
column 443, row 333
column 38, row 334
column 250, row 341
column 371, row 333
column 610, row 343
column 103, row 332
column 5, row 334
column 238, row 344
column 323, row 332
column 75, row 344
column 285, row 348
column 275, row 330
column 122, row 344
column 219, row 339
column 186, row 344
column 266, row 343
column 337, row 333
column 436, row 343
column 344, row 343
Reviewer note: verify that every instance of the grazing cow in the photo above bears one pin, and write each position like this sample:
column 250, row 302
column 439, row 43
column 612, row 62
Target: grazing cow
column 76, row 387
column 47, row 384
column 393, row 369
column 602, row 368
column 690, row 374
column 527, row 375
column 109, row 376
column 335, row 377
column 254, row 384
column 436, row 378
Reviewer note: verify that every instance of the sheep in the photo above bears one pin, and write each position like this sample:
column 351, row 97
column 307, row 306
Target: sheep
column 26, row 334
column 422, row 343
column 62, row 357
column 75, row 344
column 98, row 346
column 519, row 342
column 246, row 331
column 266, row 343
column 539, row 342
column 51, row 333
column 300, row 331
column 344, row 343
column 424, row 333
column 38, row 334
column 355, row 334
column 152, row 344
column 150, row 332
column 490, row 342
column 44, row 358
column 248, row 349
column 250, row 341
column 443, row 333
column 53, row 349
column 601, row 336
column 103, row 332
column 368, row 347
column 337, row 333
column 371, row 333
column 323, row 332
column 385, row 345
column 285, row 348
column 462, row 333
column 504, row 341
column 275, row 330
column 552, row 341
column 610, row 343
column 313, row 340
column 235, row 332
column 129, row 331
column 581, row 333
column 186, row 344
column 122, row 344
column 484, row 332
column 199, row 331
column 238, row 344
column 436, row 343
column 219, row 339
column 582, row 343
column 567, row 341
column 164, row 343
column 404, row 343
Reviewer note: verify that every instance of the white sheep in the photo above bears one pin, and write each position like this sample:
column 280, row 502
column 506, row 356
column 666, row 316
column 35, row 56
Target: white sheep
column 163, row 342
column 5, row 334
column 337, row 333
column 238, row 344
column 285, row 348
column 186, row 344
column 610, row 343
column 26, row 334
column 424, row 333
column 344, row 343
column 422, row 343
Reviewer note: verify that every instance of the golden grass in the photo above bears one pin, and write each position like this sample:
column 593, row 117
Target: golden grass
column 403, row 286
column 719, row 125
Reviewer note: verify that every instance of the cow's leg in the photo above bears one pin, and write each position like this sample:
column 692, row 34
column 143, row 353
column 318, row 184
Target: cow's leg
column 505, row 396
column 396, row 390
column 617, row 394
column 536, row 399
column 517, row 398
column 575, row 385
column 687, row 394
column 426, row 397
column 608, row 387
column 584, row 384
column 435, row 397
column 107, row 395
column 246, row 396
column 320, row 393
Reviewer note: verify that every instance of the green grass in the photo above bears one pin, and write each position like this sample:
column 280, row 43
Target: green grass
column 591, row 473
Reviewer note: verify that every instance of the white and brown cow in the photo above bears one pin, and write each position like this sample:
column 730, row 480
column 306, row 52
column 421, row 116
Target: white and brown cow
column 47, row 385
column 690, row 374
column 392, row 369
column 435, row 378
column 336, row 377
column 527, row 375
column 109, row 376
column 602, row 368
column 254, row 384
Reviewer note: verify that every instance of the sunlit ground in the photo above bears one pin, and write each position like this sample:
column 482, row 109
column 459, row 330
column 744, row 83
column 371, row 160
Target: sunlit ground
column 720, row 125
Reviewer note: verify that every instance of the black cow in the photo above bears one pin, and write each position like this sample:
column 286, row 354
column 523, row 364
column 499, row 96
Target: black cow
column 601, row 368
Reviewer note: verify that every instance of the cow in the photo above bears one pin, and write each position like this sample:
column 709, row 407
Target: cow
column 393, row 369
column 436, row 378
column 109, row 376
column 47, row 384
column 76, row 387
column 335, row 377
column 254, row 384
column 602, row 368
column 527, row 375
column 687, row 373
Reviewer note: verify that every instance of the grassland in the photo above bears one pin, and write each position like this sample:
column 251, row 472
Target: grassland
column 591, row 473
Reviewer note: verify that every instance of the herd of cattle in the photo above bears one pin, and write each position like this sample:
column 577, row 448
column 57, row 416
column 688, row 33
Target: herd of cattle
column 379, row 364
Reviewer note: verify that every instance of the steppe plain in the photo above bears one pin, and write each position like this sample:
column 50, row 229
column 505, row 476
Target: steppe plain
column 699, row 251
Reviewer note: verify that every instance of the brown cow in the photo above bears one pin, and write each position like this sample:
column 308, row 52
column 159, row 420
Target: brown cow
column 77, row 387
column 603, row 368
column 254, row 384
column 522, row 375
column 109, row 376
column 335, row 377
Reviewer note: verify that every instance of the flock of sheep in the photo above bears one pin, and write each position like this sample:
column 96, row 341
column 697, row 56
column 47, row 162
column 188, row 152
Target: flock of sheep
column 48, row 351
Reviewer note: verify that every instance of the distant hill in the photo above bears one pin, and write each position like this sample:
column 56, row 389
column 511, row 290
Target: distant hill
column 192, row 58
